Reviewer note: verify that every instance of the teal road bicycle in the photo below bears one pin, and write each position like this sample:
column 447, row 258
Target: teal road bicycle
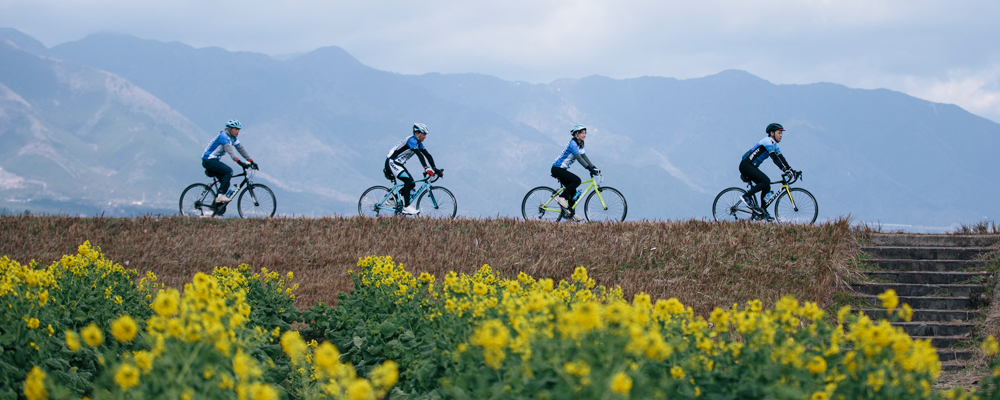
column 253, row 200
column 603, row 203
column 791, row 205
column 431, row 201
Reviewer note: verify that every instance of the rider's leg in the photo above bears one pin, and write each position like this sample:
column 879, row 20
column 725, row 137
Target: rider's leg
column 219, row 170
column 569, row 180
column 408, row 186
column 761, row 182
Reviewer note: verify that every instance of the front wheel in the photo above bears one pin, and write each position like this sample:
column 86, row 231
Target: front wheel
column 612, row 209
column 729, row 207
column 197, row 200
column 540, row 204
column 437, row 202
column 256, row 201
column 798, row 208
column 377, row 202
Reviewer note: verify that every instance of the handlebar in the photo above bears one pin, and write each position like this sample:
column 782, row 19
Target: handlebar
column 432, row 179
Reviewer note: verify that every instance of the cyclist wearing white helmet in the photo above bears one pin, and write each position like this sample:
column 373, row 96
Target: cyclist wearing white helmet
column 225, row 142
column 560, row 168
column 402, row 152
column 750, row 163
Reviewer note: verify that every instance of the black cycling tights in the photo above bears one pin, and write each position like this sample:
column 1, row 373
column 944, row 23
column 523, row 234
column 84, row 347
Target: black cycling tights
column 569, row 180
column 408, row 186
column 763, row 184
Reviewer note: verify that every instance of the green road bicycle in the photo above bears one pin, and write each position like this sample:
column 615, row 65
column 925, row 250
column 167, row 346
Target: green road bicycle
column 431, row 201
column 791, row 205
column 603, row 203
column 253, row 201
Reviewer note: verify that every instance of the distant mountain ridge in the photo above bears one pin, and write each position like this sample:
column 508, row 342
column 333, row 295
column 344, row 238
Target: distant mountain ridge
column 320, row 124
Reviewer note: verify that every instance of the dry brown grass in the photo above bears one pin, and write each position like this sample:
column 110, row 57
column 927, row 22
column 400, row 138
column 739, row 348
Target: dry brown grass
column 704, row 264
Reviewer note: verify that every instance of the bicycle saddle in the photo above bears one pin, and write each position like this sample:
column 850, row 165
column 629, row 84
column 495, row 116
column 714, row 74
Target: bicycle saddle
column 745, row 178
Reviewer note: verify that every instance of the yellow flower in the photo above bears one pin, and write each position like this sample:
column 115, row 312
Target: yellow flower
column 327, row 358
column 127, row 376
column 385, row 375
column 819, row 396
column 990, row 346
column 817, row 365
column 92, row 335
column 263, row 391
column 889, row 300
column 34, row 385
column 166, row 302
column 124, row 329
column 72, row 341
column 33, row 323
column 144, row 360
column 677, row 372
column 43, row 298
column 360, row 389
column 621, row 383
column 293, row 345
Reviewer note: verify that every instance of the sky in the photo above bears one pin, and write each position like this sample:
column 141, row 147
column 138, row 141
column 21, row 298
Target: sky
column 942, row 51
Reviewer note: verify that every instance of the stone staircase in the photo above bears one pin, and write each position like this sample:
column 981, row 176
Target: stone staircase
column 939, row 277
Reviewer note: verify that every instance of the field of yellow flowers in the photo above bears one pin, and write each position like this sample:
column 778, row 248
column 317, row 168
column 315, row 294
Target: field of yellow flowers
column 85, row 327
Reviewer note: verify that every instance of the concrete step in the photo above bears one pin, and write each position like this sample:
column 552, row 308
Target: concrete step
column 935, row 329
column 926, row 253
column 941, row 342
column 911, row 289
column 927, row 302
column 946, row 355
column 922, row 315
column 904, row 240
column 929, row 265
column 931, row 278
column 953, row 365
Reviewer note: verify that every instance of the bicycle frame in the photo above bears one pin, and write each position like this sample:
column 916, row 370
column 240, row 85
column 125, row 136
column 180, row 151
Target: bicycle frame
column 592, row 184
column 424, row 185
column 784, row 188
column 215, row 186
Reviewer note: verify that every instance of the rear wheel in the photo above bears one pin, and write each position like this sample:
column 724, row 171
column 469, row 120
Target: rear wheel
column 256, row 201
column 196, row 200
column 377, row 202
column 729, row 207
column 800, row 208
column 613, row 209
column 539, row 204
column 437, row 202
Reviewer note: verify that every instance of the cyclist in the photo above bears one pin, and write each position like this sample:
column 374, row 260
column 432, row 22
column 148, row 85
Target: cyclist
column 749, row 166
column 214, row 167
column 560, row 169
column 402, row 152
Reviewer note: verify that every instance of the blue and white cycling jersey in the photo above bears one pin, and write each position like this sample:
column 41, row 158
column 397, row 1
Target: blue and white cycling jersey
column 568, row 156
column 224, row 144
column 403, row 150
column 761, row 151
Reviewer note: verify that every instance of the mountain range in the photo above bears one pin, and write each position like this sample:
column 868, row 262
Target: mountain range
column 114, row 123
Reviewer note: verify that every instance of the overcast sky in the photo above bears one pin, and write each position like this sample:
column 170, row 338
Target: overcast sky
column 943, row 51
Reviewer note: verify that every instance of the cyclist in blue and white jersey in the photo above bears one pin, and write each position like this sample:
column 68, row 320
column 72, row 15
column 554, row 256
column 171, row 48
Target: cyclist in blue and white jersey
column 560, row 168
column 226, row 142
column 402, row 152
column 749, row 165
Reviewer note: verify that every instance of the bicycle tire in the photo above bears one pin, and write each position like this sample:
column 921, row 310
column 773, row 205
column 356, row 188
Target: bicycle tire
column 261, row 202
column 728, row 206
column 803, row 211
column 371, row 203
column 190, row 198
column 614, row 208
column 533, row 206
column 446, row 207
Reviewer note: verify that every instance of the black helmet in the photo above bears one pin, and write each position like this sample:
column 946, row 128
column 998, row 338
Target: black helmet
column 774, row 127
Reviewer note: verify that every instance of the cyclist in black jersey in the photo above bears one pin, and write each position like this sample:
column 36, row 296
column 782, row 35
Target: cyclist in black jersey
column 402, row 152
column 750, row 163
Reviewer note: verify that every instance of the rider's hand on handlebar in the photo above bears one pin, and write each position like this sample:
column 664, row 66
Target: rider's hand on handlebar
column 242, row 164
column 594, row 171
column 253, row 164
column 428, row 171
column 439, row 172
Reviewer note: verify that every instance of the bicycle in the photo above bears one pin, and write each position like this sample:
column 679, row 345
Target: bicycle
column 254, row 201
column 800, row 208
column 540, row 203
column 431, row 201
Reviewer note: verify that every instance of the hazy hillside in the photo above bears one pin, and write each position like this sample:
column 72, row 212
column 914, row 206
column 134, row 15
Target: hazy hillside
column 321, row 123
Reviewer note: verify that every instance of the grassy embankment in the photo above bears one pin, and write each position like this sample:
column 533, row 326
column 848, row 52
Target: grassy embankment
column 704, row 264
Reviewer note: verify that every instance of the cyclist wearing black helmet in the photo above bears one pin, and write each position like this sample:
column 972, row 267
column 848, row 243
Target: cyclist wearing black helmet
column 402, row 152
column 560, row 168
column 749, row 165
column 225, row 142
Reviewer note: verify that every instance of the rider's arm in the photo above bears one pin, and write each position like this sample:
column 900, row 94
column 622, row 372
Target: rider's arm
column 426, row 154
column 231, row 151
column 239, row 147
column 584, row 160
column 779, row 160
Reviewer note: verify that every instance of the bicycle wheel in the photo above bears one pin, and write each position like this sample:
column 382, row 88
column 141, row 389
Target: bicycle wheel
column 193, row 197
column 613, row 209
column 440, row 203
column 729, row 207
column 256, row 201
column 800, row 208
column 540, row 204
column 376, row 202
